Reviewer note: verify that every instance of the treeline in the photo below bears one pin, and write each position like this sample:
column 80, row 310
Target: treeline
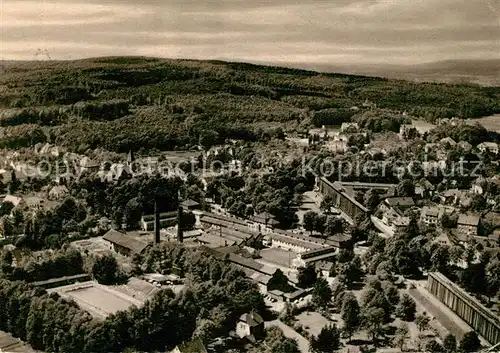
column 473, row 134
column 161, row 131
column 380, row 120
column 127, row 201
column 332, row 116
column 173, row 101
column 25, row 135
column 62, row 263
column 57, row 115
column 208, row 307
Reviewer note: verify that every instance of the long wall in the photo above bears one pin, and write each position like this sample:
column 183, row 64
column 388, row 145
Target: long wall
column 482, row 320
column 342, row 200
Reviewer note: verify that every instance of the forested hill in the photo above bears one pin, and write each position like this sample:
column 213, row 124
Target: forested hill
column 122, row 102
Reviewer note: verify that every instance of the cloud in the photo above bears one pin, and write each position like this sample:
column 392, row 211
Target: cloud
column 314, row 31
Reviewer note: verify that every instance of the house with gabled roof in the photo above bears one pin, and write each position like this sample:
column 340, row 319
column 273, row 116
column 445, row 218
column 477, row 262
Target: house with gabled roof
column 491, row 147
column 250, row 326
column 124, row 244
column 194, row 346
column 467, row 226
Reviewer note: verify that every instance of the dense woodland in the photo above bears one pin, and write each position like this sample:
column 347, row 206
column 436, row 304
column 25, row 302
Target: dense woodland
column 99, row 102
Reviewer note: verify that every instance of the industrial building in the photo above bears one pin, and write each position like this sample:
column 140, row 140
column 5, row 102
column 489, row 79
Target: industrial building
column 482, row 320
column 342, row 200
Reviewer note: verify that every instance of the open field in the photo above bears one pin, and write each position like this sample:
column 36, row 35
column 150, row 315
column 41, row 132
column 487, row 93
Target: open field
column 490, row 122
column 8, row 343
column 100, row 301
column 312, row 322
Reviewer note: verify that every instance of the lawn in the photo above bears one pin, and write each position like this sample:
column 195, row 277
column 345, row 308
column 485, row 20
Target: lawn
column 312, row 322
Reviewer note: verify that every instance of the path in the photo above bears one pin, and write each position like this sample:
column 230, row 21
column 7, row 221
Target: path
column 447, row 318
column 290, row 333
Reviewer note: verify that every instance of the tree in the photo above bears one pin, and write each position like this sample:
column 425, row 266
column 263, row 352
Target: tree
column 422, row 321
column 334, row 225
column 440, row 259
column 402, row 335
column 117, row 218
column 405, row 188
column 391, row 293
column 456, row 253
column 450, row 343
column 371, row 199
column 309, row 221
column 373, row 322
column 188, row 220
column 338, row 292
column 105, row 269
column 6, row 208
column 407, row 308
column 287, row 315
column 208, row 138
column 322, row 294
column 355, row 270
column 449, row 221
column 278, row 281
column 133, row 211
column 478, row 203
column 307, row 276
column 470, row 342
column 493, row 279
column 345, row 255
column 287, row 345
column 6, row 226
column 320, row 224
column 328, row 340
column 333, row 271
column 433, row 347
column 350, row 314
column 276, row 342
column 327, row 203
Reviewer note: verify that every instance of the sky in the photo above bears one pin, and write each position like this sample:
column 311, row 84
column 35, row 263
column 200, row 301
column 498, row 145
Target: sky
column 272, row 31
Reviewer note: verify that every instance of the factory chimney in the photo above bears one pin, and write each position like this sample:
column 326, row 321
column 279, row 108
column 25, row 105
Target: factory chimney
column 157, row 222
column 180, row 226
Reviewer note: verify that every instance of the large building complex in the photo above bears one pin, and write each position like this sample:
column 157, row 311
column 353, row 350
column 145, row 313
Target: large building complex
column 342, row 200
column 464, row 305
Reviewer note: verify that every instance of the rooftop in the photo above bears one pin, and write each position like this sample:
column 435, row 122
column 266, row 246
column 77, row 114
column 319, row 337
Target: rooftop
column 448, row 140
column 294, row 241
column 400, row 201
column 466, row 297
column 193, row 346
column 264, row 218
column 12, row 199
column 82, row 276
column 252, row 319
column 125, row 241
column 337, row 186
column 430, row 211
column 189, row 203
column 488, row 145
column 468, row 220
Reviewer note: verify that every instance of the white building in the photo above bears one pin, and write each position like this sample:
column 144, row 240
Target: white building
column 491, row 147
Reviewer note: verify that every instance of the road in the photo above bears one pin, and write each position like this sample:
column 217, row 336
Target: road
column 290, row 333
